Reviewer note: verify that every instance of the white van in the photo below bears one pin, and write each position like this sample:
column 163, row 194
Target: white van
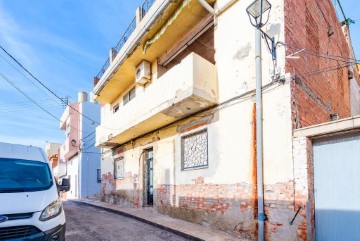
column 30, row 206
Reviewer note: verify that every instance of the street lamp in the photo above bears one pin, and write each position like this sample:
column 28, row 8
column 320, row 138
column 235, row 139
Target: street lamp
column 255, row 12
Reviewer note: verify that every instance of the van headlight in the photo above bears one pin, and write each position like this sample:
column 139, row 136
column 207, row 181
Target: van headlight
column 51, row 211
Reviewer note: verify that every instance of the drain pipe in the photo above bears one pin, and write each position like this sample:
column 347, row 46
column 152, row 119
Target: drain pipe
column 211, row 10
column 259, row 136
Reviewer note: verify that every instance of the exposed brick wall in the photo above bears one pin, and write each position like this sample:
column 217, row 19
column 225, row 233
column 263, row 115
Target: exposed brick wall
column 227, row 207
column 304, row 186
column 316, row 93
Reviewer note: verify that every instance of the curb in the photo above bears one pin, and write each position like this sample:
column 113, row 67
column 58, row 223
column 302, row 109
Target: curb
column 174, row 231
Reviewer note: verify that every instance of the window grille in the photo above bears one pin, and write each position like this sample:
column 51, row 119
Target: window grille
column 194, row 150
column 119, row 168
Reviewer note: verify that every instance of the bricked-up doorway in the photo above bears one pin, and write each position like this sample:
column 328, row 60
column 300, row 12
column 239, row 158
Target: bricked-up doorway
column 148, row 178
column 337, row 188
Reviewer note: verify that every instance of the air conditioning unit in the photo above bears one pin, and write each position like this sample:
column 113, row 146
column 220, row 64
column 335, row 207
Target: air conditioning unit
column 143, row 72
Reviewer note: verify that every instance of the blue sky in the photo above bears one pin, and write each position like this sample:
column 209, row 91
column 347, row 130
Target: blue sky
column 64, row 43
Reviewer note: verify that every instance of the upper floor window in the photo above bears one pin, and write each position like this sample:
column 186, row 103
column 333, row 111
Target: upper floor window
column 115, row 108
column 129, row 95
column 119, row 170
column 67, row 131
column 194, row 150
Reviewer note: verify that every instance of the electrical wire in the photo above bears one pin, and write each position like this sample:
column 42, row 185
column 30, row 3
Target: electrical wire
column 52, row 92
column 320, row 54
column 325, row 70
column 26, row 77
column 88, row 135
column 90, row 146
column 33, row 101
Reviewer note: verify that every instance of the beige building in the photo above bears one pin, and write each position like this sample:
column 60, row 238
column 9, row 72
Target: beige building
column 178, row 112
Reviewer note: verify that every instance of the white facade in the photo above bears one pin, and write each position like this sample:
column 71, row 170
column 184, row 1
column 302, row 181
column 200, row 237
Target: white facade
column 83, row 164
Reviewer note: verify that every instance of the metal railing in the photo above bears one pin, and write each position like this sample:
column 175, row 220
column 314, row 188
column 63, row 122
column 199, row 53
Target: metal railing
column 145, row 7
column 103, row 69
column 129, row 30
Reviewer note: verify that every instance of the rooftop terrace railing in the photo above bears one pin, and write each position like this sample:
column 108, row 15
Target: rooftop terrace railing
column 145, row 7
column 129, row 30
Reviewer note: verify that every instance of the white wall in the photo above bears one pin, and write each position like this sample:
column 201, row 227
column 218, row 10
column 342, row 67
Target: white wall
column 89, row 155
column 73, row 174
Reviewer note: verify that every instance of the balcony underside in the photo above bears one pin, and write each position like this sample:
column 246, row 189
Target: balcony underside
column 187, row 88
column 178, row 109
column 123, row 74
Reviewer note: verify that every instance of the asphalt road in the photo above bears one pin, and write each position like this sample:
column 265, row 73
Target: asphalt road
column 88, row 223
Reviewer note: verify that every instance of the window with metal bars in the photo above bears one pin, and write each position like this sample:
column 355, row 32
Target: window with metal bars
column 119, row 170
column 194, row 150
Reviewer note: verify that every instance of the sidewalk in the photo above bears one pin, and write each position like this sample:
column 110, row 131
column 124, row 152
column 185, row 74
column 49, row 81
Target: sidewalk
column 179, row 227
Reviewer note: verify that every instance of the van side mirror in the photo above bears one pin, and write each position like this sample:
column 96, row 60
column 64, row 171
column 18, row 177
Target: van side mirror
column 65, row 185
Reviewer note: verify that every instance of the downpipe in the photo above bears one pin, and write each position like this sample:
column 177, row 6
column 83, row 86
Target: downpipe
column 259, row 137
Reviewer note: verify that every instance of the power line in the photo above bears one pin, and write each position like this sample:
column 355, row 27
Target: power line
column 323, row 55
column 320, row 54
column 88, row 135
column 90, row 146
column 33, row 101
column 24, row 94
column 329, row 69
column 32, row 82
column 48, row 89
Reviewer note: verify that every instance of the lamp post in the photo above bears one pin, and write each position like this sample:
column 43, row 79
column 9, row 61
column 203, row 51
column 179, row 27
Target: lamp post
column 255, row 12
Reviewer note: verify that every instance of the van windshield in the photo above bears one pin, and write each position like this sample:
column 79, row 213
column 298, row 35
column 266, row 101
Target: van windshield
column 18, row 175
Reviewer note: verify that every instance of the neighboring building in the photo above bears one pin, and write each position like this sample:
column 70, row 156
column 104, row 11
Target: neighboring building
column 178, row 113
column 52, row 152
column 354, row 77
column 78, row 152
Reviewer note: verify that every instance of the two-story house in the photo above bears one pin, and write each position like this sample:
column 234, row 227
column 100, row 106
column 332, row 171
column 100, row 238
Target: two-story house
column 78, row 151
column 178, row 111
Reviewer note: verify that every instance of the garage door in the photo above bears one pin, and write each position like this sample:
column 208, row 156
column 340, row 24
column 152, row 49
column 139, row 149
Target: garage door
column 337, row 188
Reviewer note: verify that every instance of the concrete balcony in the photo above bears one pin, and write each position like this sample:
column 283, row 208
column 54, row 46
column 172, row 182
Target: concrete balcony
column 185, row 89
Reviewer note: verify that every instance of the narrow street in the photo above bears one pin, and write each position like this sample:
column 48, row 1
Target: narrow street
column 89, row 223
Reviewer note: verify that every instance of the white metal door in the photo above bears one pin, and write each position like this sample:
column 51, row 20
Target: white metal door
column 337, row 188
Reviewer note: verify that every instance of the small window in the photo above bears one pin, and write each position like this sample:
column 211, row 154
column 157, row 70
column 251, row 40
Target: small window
column 67, row 131
column 119, row 168
column 98, row 175
column 132, row 94
column 115, row 108
column 129, row 96
column 194, row 150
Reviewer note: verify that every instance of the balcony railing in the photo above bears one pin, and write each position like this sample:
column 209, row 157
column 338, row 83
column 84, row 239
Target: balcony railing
column 129, row 30
column 145, row 7
column 103, row 69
